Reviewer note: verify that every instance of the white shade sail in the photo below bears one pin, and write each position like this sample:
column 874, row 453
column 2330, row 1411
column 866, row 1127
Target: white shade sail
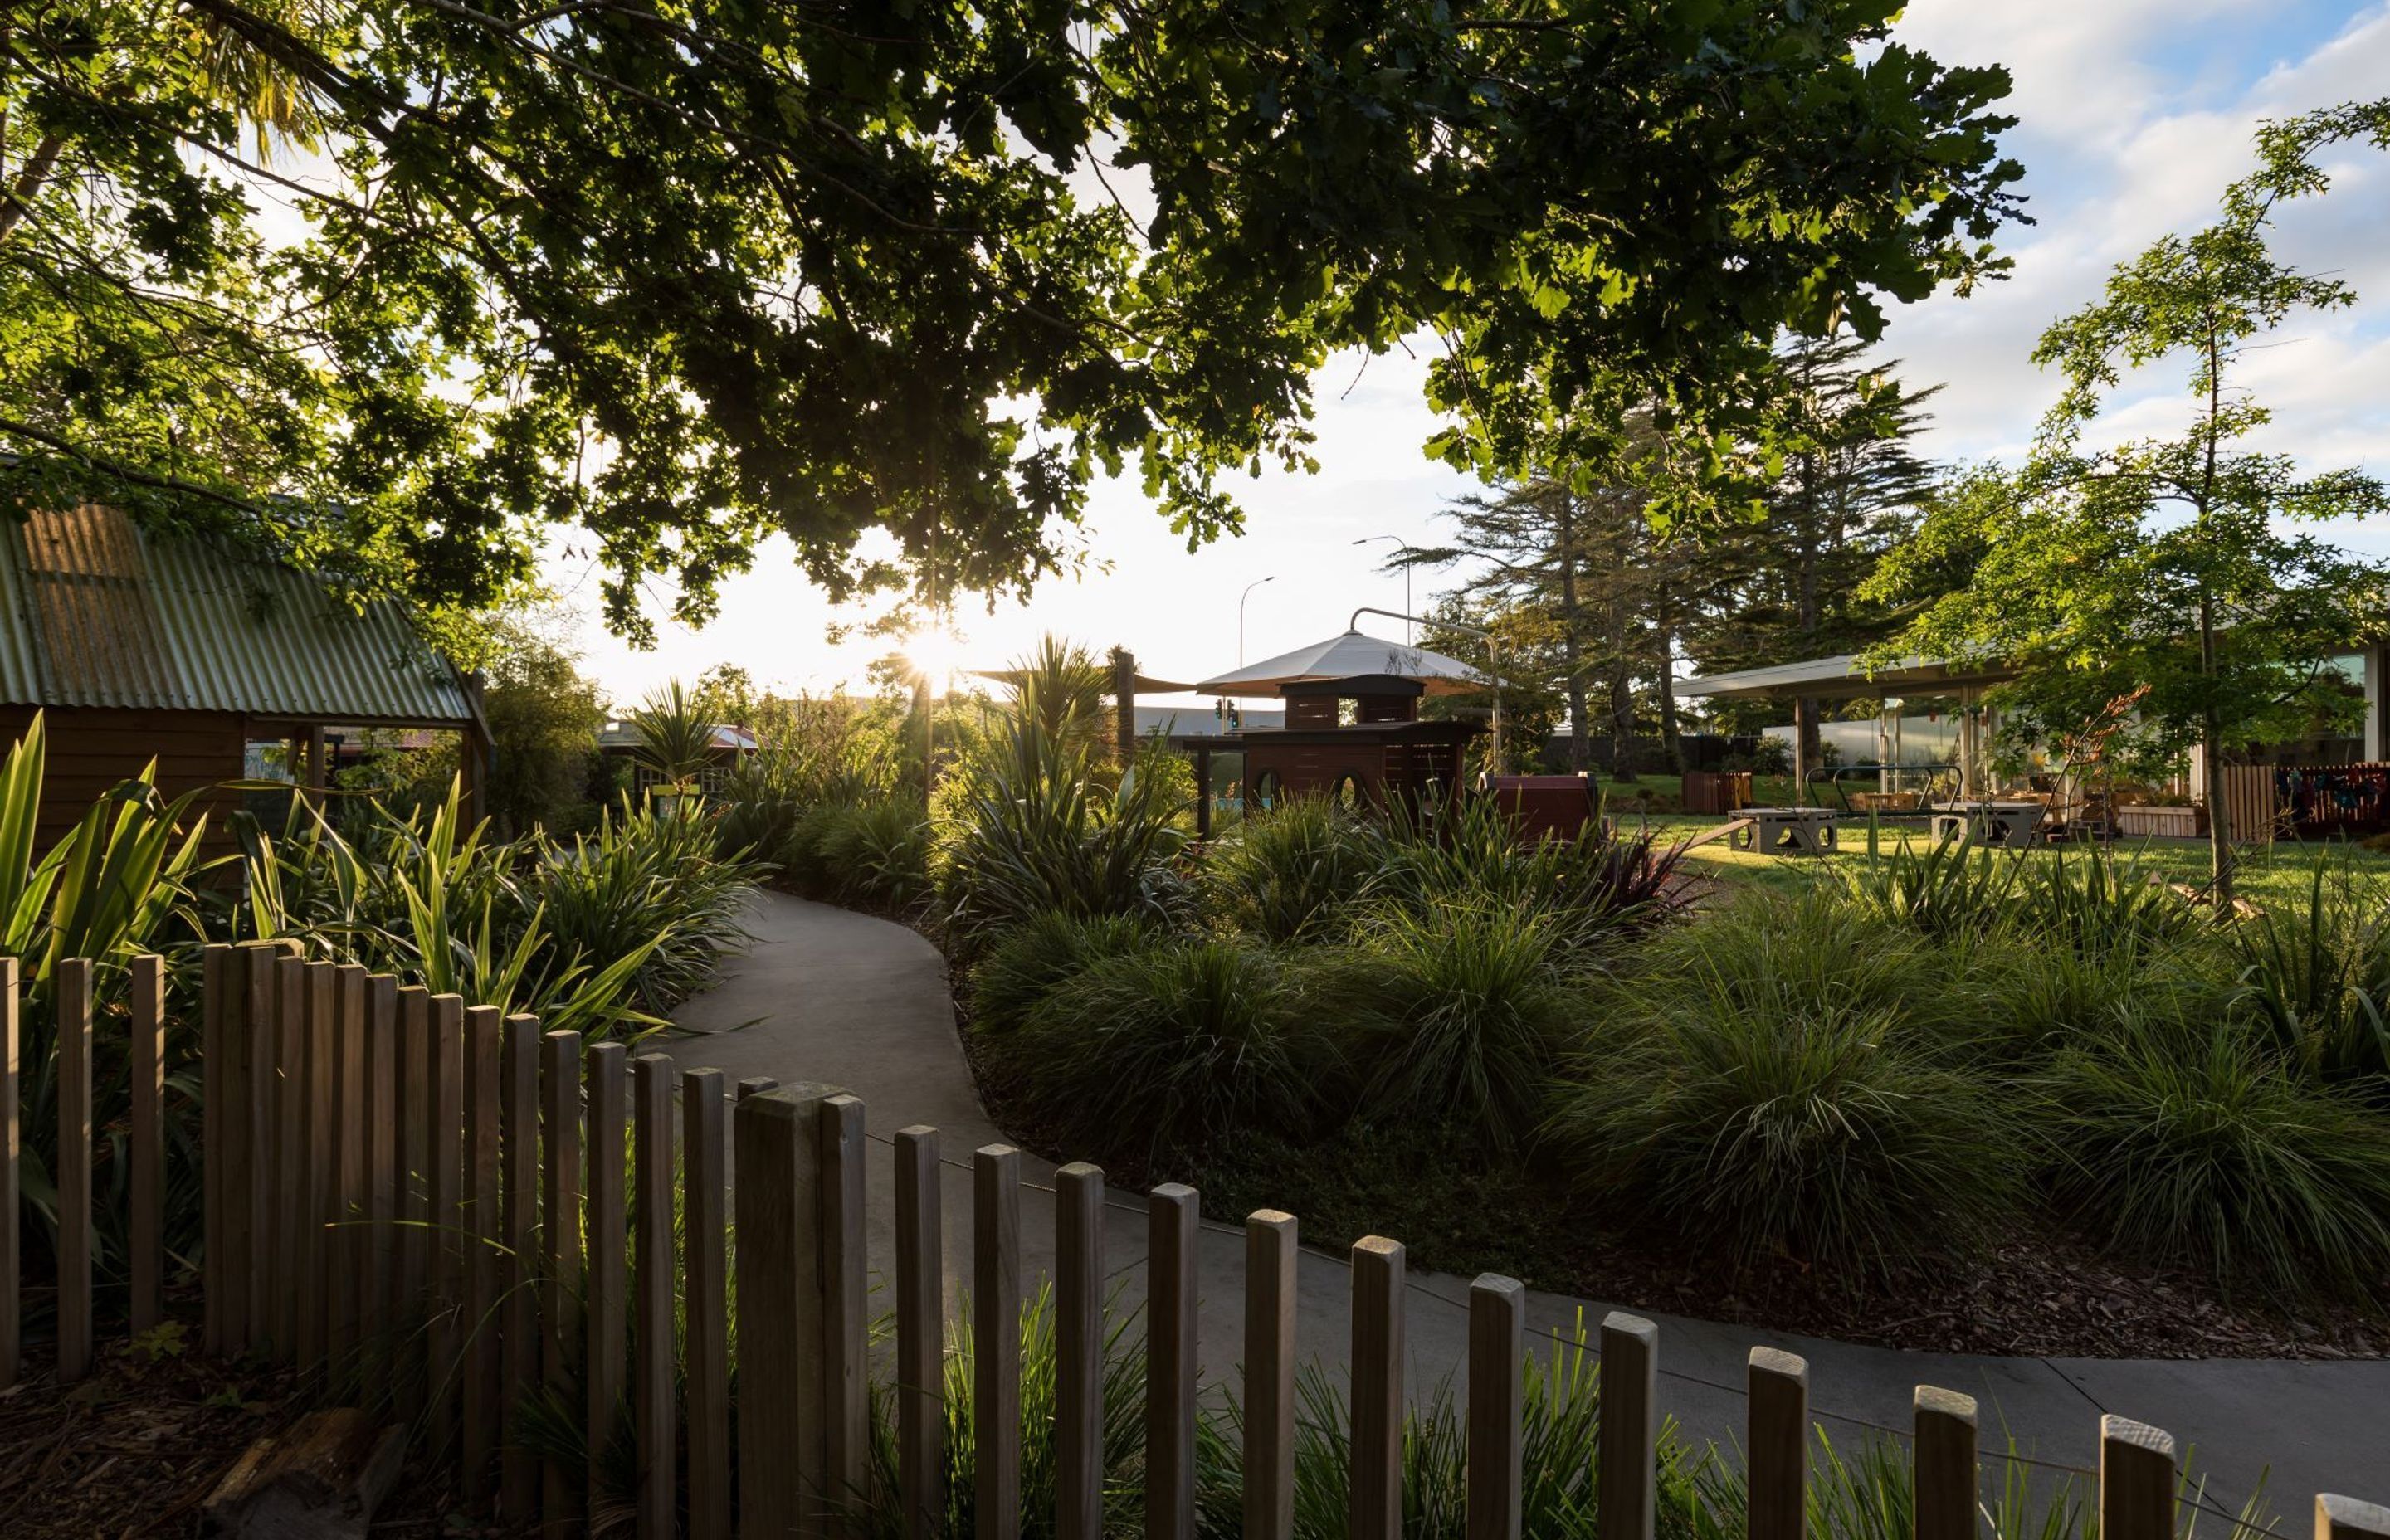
column 1347, row 657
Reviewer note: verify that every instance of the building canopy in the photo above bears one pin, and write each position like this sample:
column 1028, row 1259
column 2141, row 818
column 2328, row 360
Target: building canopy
column 1350, row 656
column 1843, row 677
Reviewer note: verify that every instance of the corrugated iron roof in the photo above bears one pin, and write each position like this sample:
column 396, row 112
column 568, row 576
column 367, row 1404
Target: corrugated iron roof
column 96, row 611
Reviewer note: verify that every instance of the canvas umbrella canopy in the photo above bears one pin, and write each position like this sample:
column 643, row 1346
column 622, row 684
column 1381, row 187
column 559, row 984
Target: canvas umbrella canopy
column 1346, row 657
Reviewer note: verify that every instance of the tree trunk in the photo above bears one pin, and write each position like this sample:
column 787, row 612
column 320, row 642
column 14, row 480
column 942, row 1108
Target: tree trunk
column 1572, row 643
column 1665, row 685
column 1808, row 752
column 2211, row 776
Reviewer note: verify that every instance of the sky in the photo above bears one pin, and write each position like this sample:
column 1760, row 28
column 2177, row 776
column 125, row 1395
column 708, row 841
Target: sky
column 2133, row 115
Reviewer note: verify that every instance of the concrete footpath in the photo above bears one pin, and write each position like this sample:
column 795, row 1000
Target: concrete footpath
column 827, row 994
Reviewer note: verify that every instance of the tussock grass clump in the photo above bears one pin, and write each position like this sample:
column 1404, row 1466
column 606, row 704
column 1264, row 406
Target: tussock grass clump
column 1166, row 1047
column 1038, row 957
column 1295, row 873
column 2196, row 1145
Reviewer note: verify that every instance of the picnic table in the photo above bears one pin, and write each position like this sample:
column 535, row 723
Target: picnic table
column 1993, row 821
column 1786, row 831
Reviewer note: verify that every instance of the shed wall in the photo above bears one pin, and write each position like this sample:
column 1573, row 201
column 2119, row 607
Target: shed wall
column 92, row 747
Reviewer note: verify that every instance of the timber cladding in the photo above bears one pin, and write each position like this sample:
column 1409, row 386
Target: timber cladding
column 93, row 748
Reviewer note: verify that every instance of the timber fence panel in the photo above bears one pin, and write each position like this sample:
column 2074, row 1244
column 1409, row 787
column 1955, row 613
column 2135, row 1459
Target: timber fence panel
column 1628, row 1457
column 215, row 1055
column 316, row 1111
column 1173, row 1219
column 921, row 1333
column 1497, row 1345
column 444, row 1335
column 12, row 1155
column 518, row 1141
column 2347, row 1518
column 776, row 1274
column 1945, row 1470
column 353, row 1236
column 1271, row 1255
column 2137, row 1481
column 1376, row 1500
column 260, row 1210
column 652, row 1378
column 1079, row 1351
column 605, row 1066
column 414, row 1121
column 482, row 1233
column 71, row 987
column 1776, row 1446
column 995, row 1342
column 846, row 1282
column 378, row 1301
column 146, row 1143
column 288, row 1173
column 560, row 1487
column 705, row 1205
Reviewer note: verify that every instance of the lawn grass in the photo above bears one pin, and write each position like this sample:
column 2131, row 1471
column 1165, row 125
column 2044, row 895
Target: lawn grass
column 2267, row 874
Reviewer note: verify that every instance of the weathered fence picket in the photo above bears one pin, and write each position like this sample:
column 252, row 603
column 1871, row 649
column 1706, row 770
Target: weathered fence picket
column 430, row 1233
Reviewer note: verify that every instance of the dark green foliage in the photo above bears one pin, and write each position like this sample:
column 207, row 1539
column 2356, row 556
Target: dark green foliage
column 2197, row 1146
column 1599, row 881
column 1166, row 1047
column 1943, row 891
column 1292, row 874
column 872, row 854
column 2317, row 984
column 1740, row 1112
column 1458, row 1012
column 1039, row 955
column 645, row 879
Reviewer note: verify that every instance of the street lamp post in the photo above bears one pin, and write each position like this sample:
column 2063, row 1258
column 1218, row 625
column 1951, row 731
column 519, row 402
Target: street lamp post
column 1241, row 614
column 1406, row 547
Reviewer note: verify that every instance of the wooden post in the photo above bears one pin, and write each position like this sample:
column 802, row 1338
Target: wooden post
column 561, row 1259
column 262, row 1208
column 920, row 1334
column 315, row 1173
column 1079, row 1351
column 481, row 1234
column 1630, row 1425
column 378, row 1302
column 145, row 1183
column 1173, row 1217
column 1945, row 1465
column 519, row 1154
column 2347, row 1518
column 414, row 1168
column 1778, row 1445
column 71, row 982
column 352, row 1240
column 1271, row 1256
column 755, row 1085
column 652, row 1382
column 215, row 1055
column 605, row 1064
column 1497, row 1343
column 1376, row 1505
column 776, row 1196
column 1124, row 706
column 2137, row 1481
column 444, row 1335
column 12, row 1155
column 292, row 1182
column 704, row 1188
column 996, row 1342
column 846, row 1270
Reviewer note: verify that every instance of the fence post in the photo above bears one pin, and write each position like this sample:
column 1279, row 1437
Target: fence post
column 378, row 1302
column 290, row 1175
column 921, row 1333
column 1778, row 1445
column 260, row 1031
column 1498, row 1342
column 609, row 1321
column 704, row 1184
column 2347, row 1518
column 414, row 1119
column 1173, row 1215
column 777, row 1281
column 145, row 1183
column 12, row 1154
column 1271, row 1256
column 1945, row 1465
column 846, row 1269
column 481, row 1233
column 652, row 1384
column 352, row 1240
column 1376, row 1505
column 519, row 1152
column 1628, row 1456
column 560, row 1248
column 316, row 1133
column 445, row 1334
column 212, row 1055
column 996, row 1342
column 1079, row 1351
column 72, row 984
column 2137, row 1481
column 755, row 1085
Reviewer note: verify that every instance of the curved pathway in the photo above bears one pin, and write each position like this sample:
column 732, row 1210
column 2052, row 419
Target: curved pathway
column 827, row 994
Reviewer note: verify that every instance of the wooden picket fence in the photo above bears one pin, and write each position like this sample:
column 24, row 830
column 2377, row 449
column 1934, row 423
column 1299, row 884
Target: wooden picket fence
column 409, row 1198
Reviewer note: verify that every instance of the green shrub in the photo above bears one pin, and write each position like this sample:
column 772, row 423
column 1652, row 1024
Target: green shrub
column 2315, row 983
column 648, row 879
column 1756, row 1122
column 1456, row 1012
column 2200, row 1146
column 1598, row 882
column 1037, row 957
column 1164, row 1047
column 1942, row 890
column 873, row 854
column 2097, row 902
column 1294, row 872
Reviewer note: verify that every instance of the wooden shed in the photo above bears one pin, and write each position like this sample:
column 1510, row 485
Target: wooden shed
column 188, row 650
